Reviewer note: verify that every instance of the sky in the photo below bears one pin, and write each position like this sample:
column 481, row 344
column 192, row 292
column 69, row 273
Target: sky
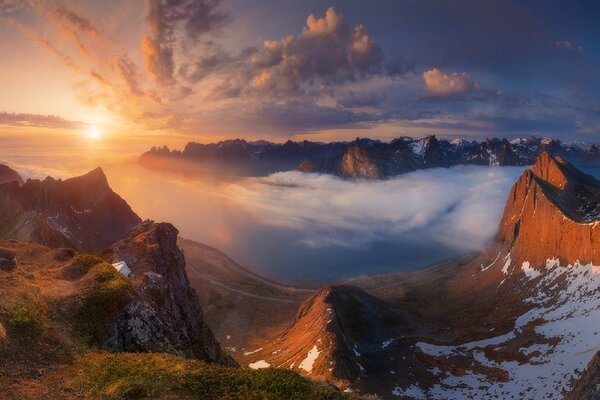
column 164, row 72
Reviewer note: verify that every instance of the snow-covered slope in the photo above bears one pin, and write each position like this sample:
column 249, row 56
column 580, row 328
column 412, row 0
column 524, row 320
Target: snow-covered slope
column 548, row 349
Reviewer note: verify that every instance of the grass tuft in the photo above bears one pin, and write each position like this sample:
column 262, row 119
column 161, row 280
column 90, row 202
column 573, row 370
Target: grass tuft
column 27, row 319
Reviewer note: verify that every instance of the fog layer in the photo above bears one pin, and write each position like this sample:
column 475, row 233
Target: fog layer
column 293, row 226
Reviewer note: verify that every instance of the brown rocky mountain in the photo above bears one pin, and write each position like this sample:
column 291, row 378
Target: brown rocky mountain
column 330, row 331
column 8, row 175
column 81, row 212
column 519, row 320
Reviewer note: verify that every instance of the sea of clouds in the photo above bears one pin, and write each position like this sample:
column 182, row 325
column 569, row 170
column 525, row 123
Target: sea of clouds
column 457, row 207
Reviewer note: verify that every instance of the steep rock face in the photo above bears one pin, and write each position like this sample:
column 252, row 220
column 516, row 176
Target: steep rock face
column 539, row 281
column 82, row 212
column 356, row 163
column 165, row 315
column 8, row 175
column 330, row 332
column 551, row 212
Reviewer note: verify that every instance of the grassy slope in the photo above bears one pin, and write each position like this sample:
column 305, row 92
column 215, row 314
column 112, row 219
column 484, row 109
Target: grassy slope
column 136, row 376
column 52, row 310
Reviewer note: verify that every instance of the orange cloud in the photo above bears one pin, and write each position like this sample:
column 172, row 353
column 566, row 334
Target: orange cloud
column 439, row 84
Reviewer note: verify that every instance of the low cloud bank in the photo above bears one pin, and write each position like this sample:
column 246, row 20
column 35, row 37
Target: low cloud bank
column 457, row 207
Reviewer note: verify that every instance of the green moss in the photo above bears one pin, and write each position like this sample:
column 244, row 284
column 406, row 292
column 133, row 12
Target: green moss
column 137, row 376
column 106, row 292
column 83, row 263
column 27, row 319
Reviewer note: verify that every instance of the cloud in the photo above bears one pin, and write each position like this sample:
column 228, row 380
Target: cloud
column 564, row 44
column 38, row 120
column 80, row 23
column 168, row 20
column 439, row 84
column 458, row 207
column 327, row 52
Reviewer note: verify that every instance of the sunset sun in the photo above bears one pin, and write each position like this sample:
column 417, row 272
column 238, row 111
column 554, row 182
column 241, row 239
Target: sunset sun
column 93, row 133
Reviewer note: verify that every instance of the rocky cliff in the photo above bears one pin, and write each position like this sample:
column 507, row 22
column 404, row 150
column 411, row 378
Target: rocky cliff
column 165, row 314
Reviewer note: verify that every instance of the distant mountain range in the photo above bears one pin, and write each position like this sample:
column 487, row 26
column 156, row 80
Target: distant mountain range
column 366, row 158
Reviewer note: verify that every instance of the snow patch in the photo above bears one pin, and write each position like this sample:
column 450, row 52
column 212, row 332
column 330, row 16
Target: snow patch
column 123, row 268
column 308, row 362
column 259, row 364
column 247, row 353
column 530, row 273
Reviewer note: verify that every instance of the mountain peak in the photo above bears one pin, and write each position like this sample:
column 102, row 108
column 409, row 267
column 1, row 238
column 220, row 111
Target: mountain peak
column 550, row 169
column 8, row 174
column 96, row 176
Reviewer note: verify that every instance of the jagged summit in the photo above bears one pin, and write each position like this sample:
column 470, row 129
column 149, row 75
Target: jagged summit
column 331, row 331
column 81, row 212
column 549, row 169
column 552, row 212
column 8, row 175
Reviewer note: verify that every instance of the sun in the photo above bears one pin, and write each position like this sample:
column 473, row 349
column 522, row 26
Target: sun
column 93, row 132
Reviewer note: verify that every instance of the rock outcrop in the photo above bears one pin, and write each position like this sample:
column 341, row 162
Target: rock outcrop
column 356, row 163
column 165, row 314
column 8, row 261
column 81, row 212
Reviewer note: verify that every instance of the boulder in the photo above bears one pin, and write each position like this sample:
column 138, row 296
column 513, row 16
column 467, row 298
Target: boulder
column 8, row 261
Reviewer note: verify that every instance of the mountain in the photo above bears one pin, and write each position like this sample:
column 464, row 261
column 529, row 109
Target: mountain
column 166, row 316
column 363, row 158
column 535, row 288
column 81, row 212
column 8, row 175
column 330, row 331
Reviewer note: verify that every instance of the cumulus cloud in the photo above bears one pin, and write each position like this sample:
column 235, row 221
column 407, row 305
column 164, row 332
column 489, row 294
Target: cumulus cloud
column 38, row 120
column 440, row 84
column 459, row 207
column 328, row 51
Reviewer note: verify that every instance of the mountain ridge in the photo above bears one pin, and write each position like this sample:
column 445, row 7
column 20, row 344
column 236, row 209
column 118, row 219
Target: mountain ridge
column 364, row 158
column 81, row 212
